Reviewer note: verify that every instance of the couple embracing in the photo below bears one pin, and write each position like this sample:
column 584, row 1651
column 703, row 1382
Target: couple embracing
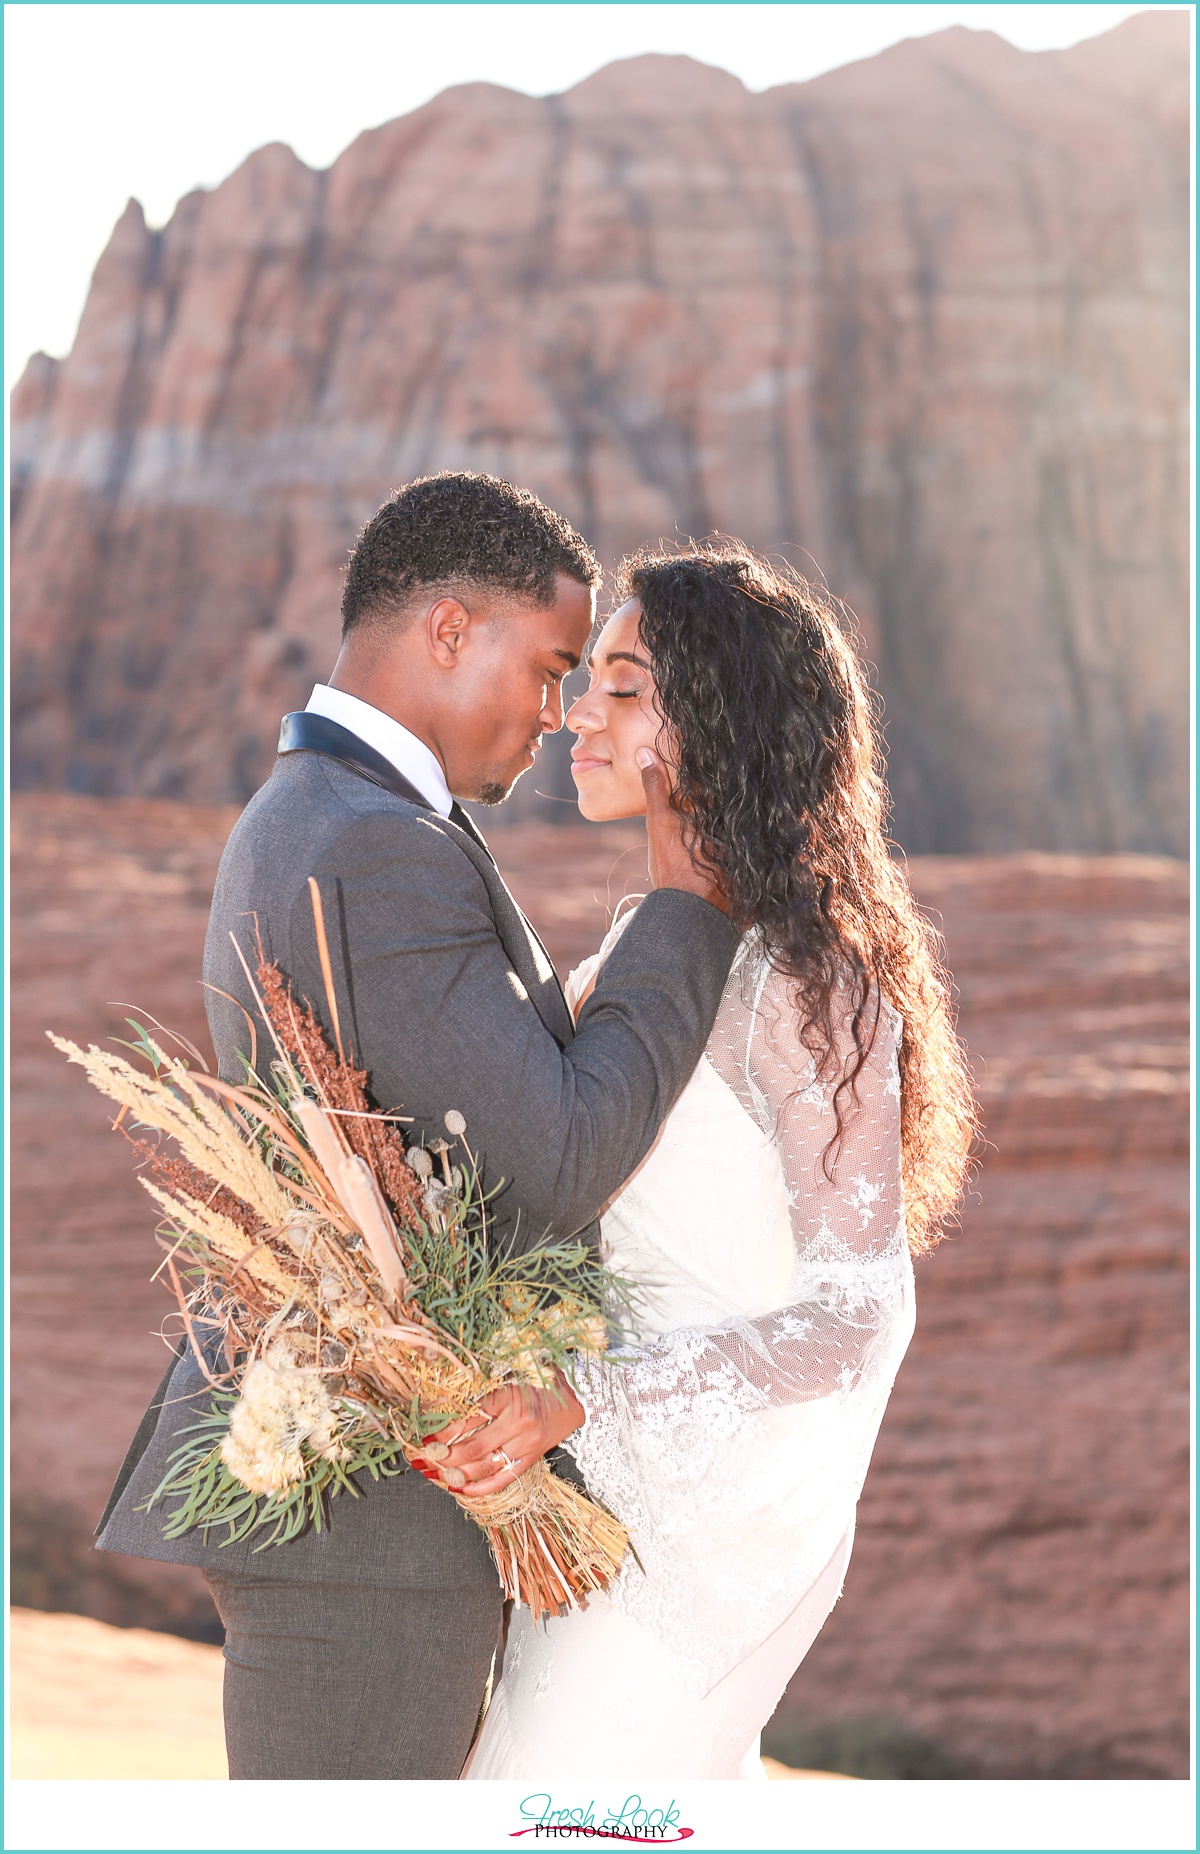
column 750, row 1100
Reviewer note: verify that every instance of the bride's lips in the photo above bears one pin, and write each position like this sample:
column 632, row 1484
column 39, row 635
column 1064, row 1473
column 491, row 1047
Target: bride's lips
column 587, row 762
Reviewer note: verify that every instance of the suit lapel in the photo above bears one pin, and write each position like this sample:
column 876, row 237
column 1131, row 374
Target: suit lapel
column 531, row 962
column 466, row 823
column 310, row 733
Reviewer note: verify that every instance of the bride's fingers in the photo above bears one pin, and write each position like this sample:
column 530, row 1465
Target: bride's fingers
column 506, row 1437
column 524, row 1423
column 512, row 1420
column 442, row 1439
column 494, row 1482
column 507, row 1450
column 460, row 1429
column 478, row 1477
column 484, row 1477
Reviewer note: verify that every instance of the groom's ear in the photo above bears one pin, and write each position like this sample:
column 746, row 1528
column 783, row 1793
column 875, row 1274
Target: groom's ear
column 447, row 624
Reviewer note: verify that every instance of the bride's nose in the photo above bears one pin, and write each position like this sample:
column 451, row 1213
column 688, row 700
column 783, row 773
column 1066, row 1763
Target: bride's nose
column 581, row 716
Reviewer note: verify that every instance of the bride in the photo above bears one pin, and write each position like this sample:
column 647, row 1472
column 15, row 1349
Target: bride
column 819, row 1144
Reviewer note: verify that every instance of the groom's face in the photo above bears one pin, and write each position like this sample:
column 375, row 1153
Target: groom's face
column 506, row 691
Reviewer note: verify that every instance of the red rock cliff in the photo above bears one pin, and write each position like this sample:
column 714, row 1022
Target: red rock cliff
column 1019, row 1592
column 923, row 319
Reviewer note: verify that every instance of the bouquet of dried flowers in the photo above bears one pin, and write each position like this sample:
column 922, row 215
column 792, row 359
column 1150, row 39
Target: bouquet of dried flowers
column 339, row 1293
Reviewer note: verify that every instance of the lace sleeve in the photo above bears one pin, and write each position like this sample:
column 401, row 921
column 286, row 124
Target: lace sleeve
column 735, row 1452
column 846, row 1209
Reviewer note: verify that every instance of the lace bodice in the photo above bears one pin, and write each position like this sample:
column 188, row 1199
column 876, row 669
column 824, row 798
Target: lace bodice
column 733, row 1429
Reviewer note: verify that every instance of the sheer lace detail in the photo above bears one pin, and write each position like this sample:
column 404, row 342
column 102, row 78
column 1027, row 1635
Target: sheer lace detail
column 735, row 1446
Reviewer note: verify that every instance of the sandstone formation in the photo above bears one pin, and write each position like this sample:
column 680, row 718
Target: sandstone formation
column 1019, row 1590
column 921, row 322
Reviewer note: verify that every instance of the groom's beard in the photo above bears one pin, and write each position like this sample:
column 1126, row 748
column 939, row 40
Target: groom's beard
column 494, row 791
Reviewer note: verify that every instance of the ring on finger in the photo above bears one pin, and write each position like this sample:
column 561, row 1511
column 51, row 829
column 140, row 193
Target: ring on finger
column 502, row 1456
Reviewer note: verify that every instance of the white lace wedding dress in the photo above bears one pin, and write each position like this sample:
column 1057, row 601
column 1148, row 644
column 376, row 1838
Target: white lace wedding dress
column 775, row 1307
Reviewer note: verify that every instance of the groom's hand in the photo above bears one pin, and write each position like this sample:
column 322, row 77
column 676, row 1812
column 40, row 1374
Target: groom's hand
column 522, row 1423
column 674, row 857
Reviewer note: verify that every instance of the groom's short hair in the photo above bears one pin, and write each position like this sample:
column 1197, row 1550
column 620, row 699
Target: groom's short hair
column 455, row 530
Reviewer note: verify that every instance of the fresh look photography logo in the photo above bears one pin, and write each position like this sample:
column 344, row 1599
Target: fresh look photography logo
column 633, row 1820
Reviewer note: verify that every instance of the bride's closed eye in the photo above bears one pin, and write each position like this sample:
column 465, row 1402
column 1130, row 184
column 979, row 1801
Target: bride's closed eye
column 617, row 692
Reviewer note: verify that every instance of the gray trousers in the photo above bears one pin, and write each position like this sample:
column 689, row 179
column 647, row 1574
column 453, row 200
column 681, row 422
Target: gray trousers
column 329, row 1681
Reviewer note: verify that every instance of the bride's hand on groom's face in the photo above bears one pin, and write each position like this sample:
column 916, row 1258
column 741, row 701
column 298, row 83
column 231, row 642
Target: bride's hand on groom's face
column 523, row 1424
column 672, row 839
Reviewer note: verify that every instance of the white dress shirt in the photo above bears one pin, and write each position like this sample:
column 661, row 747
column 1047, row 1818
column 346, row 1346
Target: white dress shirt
column 412, row 759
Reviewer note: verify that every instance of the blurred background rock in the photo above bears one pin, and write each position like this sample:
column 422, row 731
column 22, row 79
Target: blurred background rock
column 921, row 322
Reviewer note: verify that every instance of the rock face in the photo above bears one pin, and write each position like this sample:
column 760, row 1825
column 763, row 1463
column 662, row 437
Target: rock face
column 921, row 321
column 1019, row 1588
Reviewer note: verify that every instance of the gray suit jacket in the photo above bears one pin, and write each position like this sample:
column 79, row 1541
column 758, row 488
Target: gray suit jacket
column 449, row 1001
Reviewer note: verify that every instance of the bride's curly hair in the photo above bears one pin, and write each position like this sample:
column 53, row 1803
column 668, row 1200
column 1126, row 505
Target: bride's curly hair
column 778, row 763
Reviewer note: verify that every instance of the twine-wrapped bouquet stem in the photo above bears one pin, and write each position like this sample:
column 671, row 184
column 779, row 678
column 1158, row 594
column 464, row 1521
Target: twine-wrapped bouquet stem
column 552, row 1545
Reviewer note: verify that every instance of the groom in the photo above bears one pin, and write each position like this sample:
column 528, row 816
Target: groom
column 363, row 1651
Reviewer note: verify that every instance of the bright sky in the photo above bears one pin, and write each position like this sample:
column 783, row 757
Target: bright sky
column 107, row 101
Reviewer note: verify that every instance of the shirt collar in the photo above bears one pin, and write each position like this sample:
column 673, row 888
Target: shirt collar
column 412, row 759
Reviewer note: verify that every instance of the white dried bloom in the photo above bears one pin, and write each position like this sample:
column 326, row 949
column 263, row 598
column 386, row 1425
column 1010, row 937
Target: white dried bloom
column 281, row 1406
column 455, row 1123
column 592, row 1335
column 439, row 1198
column 506, row 1337
column 516, row 1346
column 566, row 1323
column 420, row 1161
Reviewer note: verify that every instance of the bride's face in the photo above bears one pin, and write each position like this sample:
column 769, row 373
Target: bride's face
column 618, row 715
